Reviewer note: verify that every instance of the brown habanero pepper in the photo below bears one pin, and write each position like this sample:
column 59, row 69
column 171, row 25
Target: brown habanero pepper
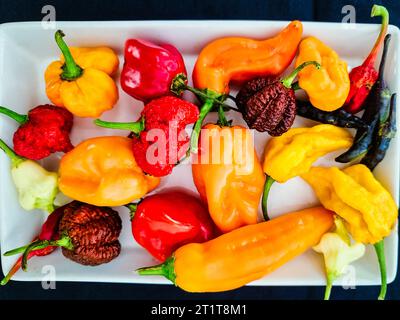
column 268, row 103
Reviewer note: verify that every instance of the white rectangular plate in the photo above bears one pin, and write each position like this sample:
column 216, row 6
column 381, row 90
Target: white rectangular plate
column 25, row 51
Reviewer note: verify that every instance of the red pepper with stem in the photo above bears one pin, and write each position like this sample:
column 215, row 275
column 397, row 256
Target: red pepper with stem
column 159, row 139
column 149, row 69
column 49, row 232
column 163, row 222
column 362, row 78
column 43, row 131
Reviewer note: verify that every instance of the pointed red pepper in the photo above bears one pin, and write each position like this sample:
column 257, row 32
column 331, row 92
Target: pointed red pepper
column 49, row 232
column 149, row 69
column 363, row 77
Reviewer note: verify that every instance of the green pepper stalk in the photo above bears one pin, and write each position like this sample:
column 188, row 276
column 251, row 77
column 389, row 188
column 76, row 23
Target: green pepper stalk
column 20, row 118
column 71, row 70
column 135, row 127
column 37, row 188
column 338, row 253
column 209, row 98
column 264, row 203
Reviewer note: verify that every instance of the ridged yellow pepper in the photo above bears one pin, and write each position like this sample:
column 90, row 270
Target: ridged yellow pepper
column 81, row 80
column 228, row 176
column 293, row 153
column 329, row 86
column 354, row 194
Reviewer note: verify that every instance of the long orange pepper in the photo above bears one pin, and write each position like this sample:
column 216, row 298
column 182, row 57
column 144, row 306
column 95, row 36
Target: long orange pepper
column 229, row 176
column 244, row 255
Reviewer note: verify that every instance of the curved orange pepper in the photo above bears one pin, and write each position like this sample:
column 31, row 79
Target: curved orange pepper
column 102, row 171
column 228, row 176
column 240, row 59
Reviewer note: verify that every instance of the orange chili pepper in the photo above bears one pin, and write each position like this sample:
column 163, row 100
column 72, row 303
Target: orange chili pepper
column 102, row 171
column 243, row 255
column 228, row 176
column 241, row 59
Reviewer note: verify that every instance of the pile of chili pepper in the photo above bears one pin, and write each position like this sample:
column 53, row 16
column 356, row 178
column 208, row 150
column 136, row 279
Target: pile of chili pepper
column 198, row 239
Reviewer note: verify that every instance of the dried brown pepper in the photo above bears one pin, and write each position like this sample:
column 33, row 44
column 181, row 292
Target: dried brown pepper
column 268, row 103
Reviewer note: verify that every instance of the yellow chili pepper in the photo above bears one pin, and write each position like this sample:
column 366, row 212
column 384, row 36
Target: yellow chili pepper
column 102, row 171
column 355, row 195
column 294, row 152
column 228, row 176
column 245, row 254
column 81, row 80
column 329, row 86
column 367, row 208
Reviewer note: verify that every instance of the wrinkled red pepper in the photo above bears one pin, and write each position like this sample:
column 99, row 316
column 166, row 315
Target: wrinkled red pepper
column 149, row 69
column 362, row 78
column 49, row 232
column 43, row 131
column 163, row 222
column 159, row 138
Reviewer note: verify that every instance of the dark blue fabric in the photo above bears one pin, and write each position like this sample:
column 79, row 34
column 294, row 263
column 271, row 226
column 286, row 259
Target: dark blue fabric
column 306, row 10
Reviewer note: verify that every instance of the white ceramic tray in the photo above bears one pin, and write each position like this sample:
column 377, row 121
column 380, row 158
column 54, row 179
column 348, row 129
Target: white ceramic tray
column 27, row 48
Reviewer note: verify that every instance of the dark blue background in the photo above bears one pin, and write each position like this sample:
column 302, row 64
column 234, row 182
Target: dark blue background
column 306, row 10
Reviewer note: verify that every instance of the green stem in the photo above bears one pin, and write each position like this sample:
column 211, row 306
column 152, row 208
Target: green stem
column 382, row 12
column 165, row 269
column 16, row 160
column 135, row 127
column 287, row 81
column 222, row 121
column 132, row 209
column 64, row 241
column 267, row 186
column 380, row 252
column 20, row 118
column 16, row 251
column 71, row 70
column 194, row 138
column 329, row 282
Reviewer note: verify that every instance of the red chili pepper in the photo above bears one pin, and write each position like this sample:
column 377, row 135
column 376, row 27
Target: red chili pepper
column 149, row 69
column 49, row 232
column 160, row 137
column 44, row 130
column 163, row 222
column 362, row 78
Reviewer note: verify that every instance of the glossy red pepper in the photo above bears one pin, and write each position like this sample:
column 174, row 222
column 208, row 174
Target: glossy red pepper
column 163, row 222
column 159, row 138
column 49, row 232
column 43, row 131
column 149, row 69
column 362, row 78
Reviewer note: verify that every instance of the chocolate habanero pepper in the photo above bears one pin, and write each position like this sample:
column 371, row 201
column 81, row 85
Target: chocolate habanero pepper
column 245, row 254
column 43, row 131
column 367, row 208
column 49, row 232
column 37, row 188
column 103, row 171
column 269, row 104
column 81, row 81
column 327, row 87
column 294, row 152
column 149, row 69
column 159, row 140
column 87, row 234
column 363, row 77
column 163, row 222
column 228, row 175
column 236, row 59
